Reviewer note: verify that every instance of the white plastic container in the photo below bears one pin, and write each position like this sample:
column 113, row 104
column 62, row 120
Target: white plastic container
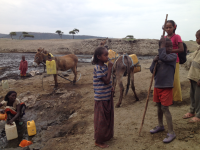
column 5, row 84
column 11, row 131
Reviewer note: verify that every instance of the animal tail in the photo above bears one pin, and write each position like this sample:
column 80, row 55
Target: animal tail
column 128, row 72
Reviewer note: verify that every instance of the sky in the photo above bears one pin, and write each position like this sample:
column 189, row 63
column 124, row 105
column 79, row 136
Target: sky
column 107, row 18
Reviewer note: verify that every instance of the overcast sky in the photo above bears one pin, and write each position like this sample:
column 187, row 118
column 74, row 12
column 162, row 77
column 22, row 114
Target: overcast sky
column 108, row 18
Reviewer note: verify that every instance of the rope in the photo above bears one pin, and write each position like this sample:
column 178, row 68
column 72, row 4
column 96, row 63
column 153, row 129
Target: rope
column 68, row 79
column 132, row 65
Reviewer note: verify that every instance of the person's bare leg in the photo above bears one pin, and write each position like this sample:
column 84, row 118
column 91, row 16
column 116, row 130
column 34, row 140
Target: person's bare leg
column 160, row 115
column 168, row 117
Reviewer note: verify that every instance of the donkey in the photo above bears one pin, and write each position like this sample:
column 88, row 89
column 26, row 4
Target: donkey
column 63, row 63
column 121, row 67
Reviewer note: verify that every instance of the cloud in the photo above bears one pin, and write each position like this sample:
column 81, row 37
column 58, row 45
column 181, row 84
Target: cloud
column 110, row 18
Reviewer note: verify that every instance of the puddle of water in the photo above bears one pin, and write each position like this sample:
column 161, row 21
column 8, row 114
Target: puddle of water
column 21, row 130
column 9, row 63
column 22, row 134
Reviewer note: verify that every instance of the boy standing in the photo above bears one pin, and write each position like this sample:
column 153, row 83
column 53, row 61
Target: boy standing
column 194, row 77
column 164, row 78
column 23, row 67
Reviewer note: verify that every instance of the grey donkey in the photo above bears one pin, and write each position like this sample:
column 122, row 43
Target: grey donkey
column 122, row 67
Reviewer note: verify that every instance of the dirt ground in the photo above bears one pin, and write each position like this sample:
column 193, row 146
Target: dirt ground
column 142, row 47
column 66, row 123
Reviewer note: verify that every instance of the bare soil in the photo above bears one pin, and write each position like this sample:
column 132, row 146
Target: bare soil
column 67, row 123
column 87, row 46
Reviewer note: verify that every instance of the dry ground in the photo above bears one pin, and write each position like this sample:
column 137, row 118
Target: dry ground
column 66, row 46
column 77, row 132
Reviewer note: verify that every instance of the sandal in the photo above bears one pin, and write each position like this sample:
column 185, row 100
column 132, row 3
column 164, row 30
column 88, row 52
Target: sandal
column 194, row 119
column 103, row 145
column 188, row 115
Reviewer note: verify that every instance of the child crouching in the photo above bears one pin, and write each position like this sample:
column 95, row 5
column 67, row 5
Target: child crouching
column 164, row 78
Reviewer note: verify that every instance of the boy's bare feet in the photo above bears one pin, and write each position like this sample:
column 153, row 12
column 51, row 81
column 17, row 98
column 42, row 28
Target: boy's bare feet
column 102, row 145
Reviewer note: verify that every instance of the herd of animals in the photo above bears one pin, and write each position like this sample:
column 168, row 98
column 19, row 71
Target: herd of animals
column 122, row 67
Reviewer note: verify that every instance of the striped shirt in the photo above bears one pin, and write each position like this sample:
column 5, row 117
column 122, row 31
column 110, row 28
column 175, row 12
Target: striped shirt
column 102, row 92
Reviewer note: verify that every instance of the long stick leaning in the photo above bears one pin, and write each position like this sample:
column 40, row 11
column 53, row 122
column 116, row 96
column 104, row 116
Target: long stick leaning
column 154, row 70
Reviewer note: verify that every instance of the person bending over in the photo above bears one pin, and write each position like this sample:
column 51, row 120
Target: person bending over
column 13, row 108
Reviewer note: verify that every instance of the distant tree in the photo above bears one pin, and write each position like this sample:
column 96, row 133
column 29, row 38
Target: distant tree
column 22, row 35
column 75, row 31
column 72, row 32
column 130, row 36
column 59, row 33
column 12, row 34
column 27, row 35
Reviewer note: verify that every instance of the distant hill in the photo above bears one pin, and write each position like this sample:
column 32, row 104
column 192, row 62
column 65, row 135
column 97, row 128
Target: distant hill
column 46, row 36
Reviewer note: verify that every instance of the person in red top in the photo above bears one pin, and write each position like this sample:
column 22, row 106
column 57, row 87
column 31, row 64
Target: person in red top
column 23, row 67
column 177, row 48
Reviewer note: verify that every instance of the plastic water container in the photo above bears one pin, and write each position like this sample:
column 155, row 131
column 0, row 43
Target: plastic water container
column 3, row 116
column 135, row 60
column 5, row 84
column 11, row 131
column 31, row 128
column 51, row 67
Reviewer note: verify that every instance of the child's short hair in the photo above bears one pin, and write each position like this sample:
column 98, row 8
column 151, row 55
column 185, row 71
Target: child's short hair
column 97, row 52
column 167, row 40
column 173, row 24
column 198, row 33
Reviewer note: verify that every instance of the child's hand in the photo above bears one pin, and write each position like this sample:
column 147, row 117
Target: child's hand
column 10, row 122
column 113, row 89
column 198, row 83
column 163, row 42
column 156, row 58
column 110, row 64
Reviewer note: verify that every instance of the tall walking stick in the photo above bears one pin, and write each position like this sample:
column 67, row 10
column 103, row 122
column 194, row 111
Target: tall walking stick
column 154, row 70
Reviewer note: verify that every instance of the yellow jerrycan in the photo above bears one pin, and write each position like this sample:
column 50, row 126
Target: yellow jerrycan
column 31, row 128
column 11, row 131
column 51, row 67
column 5, row 84
column 111, row 55
column 3, row 116
column 135, row 61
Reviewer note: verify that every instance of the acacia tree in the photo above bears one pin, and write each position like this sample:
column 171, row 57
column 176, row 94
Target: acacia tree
column 72, row 32
column 130, row 36
column 59, row 33
column 22, row 35
column 27, row 35
column 12, row 34
column 75, row 31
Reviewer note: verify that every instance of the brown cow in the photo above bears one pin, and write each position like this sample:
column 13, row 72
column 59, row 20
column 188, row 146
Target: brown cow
column 63, row 63
column 119, row 69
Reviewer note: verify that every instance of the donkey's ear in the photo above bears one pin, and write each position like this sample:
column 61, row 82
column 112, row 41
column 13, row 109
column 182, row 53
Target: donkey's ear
column 39, row 51
column 42, row 50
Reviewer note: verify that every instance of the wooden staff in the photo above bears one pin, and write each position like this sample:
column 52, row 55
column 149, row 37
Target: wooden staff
column 154, row 70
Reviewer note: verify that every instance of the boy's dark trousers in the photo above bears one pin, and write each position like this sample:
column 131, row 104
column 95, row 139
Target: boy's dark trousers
column 195, row 98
